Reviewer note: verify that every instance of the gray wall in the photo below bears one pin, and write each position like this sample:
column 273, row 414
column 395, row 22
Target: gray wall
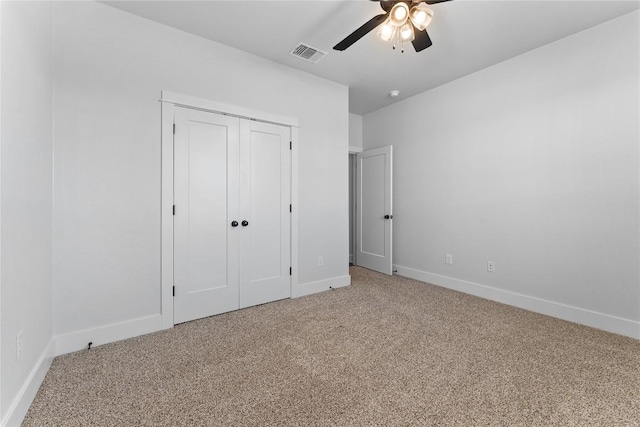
column 533, row 164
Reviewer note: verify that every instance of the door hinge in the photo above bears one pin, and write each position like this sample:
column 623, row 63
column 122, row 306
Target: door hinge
column 290, row 208
column 174, row 128
column 290, row 271
column 174, row 291
column 290, row 145
column 174, row 209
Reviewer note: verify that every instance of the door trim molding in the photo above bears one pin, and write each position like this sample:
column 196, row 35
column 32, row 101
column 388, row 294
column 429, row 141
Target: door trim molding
column 168, row 102
column 166, row 216
column 187, row 101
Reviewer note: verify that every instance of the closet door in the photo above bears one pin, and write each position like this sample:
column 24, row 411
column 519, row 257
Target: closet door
column 265, row 197
column 206, row 195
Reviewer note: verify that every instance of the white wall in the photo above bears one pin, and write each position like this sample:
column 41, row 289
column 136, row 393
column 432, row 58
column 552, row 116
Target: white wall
column 109, row 69
column 26, row 197
column 532, row 163
column 355, row 130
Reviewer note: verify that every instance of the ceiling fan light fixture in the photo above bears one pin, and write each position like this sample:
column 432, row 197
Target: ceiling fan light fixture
column 421, row 16
column 387, row 30
column 406, row 32
column 402, row 21
column 399, row 14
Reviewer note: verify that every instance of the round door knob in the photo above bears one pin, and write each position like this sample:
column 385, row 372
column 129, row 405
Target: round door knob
column 245, row 223
column 234, row 223
column 387, row 217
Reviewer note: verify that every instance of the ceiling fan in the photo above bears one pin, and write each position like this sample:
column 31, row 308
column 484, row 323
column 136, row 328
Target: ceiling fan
column 404, row 21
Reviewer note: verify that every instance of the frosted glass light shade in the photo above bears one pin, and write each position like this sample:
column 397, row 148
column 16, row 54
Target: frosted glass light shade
column 421, row 16
column 399, row 14
column 406, row 32
column 387, row 30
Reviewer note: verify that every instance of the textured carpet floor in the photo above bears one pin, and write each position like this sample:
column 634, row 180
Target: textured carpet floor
column 386, row 351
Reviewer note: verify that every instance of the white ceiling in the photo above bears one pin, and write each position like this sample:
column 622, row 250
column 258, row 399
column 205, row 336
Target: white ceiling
column 467, row 35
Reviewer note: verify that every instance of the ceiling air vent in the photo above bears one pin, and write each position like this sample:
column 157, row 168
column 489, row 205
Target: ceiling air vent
column 308, row 53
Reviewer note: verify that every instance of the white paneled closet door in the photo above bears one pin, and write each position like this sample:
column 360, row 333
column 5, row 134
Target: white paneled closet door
column 206, row 197
column 265, row 195
column 232, row 221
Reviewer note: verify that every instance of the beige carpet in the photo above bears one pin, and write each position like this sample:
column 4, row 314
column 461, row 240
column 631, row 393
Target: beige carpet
column 386, row 351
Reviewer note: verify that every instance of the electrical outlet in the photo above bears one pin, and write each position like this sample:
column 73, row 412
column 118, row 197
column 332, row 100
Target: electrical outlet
column 491, row 266
column 448, row 259
column 19, row 345
column 320, row 261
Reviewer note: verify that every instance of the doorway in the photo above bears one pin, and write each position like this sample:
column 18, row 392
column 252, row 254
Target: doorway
column 352, row 207
column 371, row 209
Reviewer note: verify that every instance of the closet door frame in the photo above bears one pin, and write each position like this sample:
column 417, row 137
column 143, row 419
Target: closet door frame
column 168, row 102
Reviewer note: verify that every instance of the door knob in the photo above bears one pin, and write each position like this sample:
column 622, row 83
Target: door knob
column 245, row 223
column 388, row 217
column 234, row 223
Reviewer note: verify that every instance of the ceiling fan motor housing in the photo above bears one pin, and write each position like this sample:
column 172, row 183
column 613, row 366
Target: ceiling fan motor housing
column 388, row 4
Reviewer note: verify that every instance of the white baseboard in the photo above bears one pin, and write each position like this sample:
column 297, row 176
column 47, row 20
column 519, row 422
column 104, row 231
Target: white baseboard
column 20, row 405
column 319, row 286
column 574, row 314
column 78, row 340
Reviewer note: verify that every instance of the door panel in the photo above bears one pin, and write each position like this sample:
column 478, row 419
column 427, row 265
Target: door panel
column 266, row 195
column 206, row 187
column 266, row 204
column 207, row 155
column 374, row 202
column 373, row 168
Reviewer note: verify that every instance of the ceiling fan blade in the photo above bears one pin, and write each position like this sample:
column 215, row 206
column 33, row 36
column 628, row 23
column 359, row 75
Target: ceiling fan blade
column 434, row 1
column 422, row 41
column 361, row 32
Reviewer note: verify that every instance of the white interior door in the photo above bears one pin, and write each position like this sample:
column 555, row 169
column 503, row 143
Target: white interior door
column 206, row 197
column 265, row 196
column 374, row 211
